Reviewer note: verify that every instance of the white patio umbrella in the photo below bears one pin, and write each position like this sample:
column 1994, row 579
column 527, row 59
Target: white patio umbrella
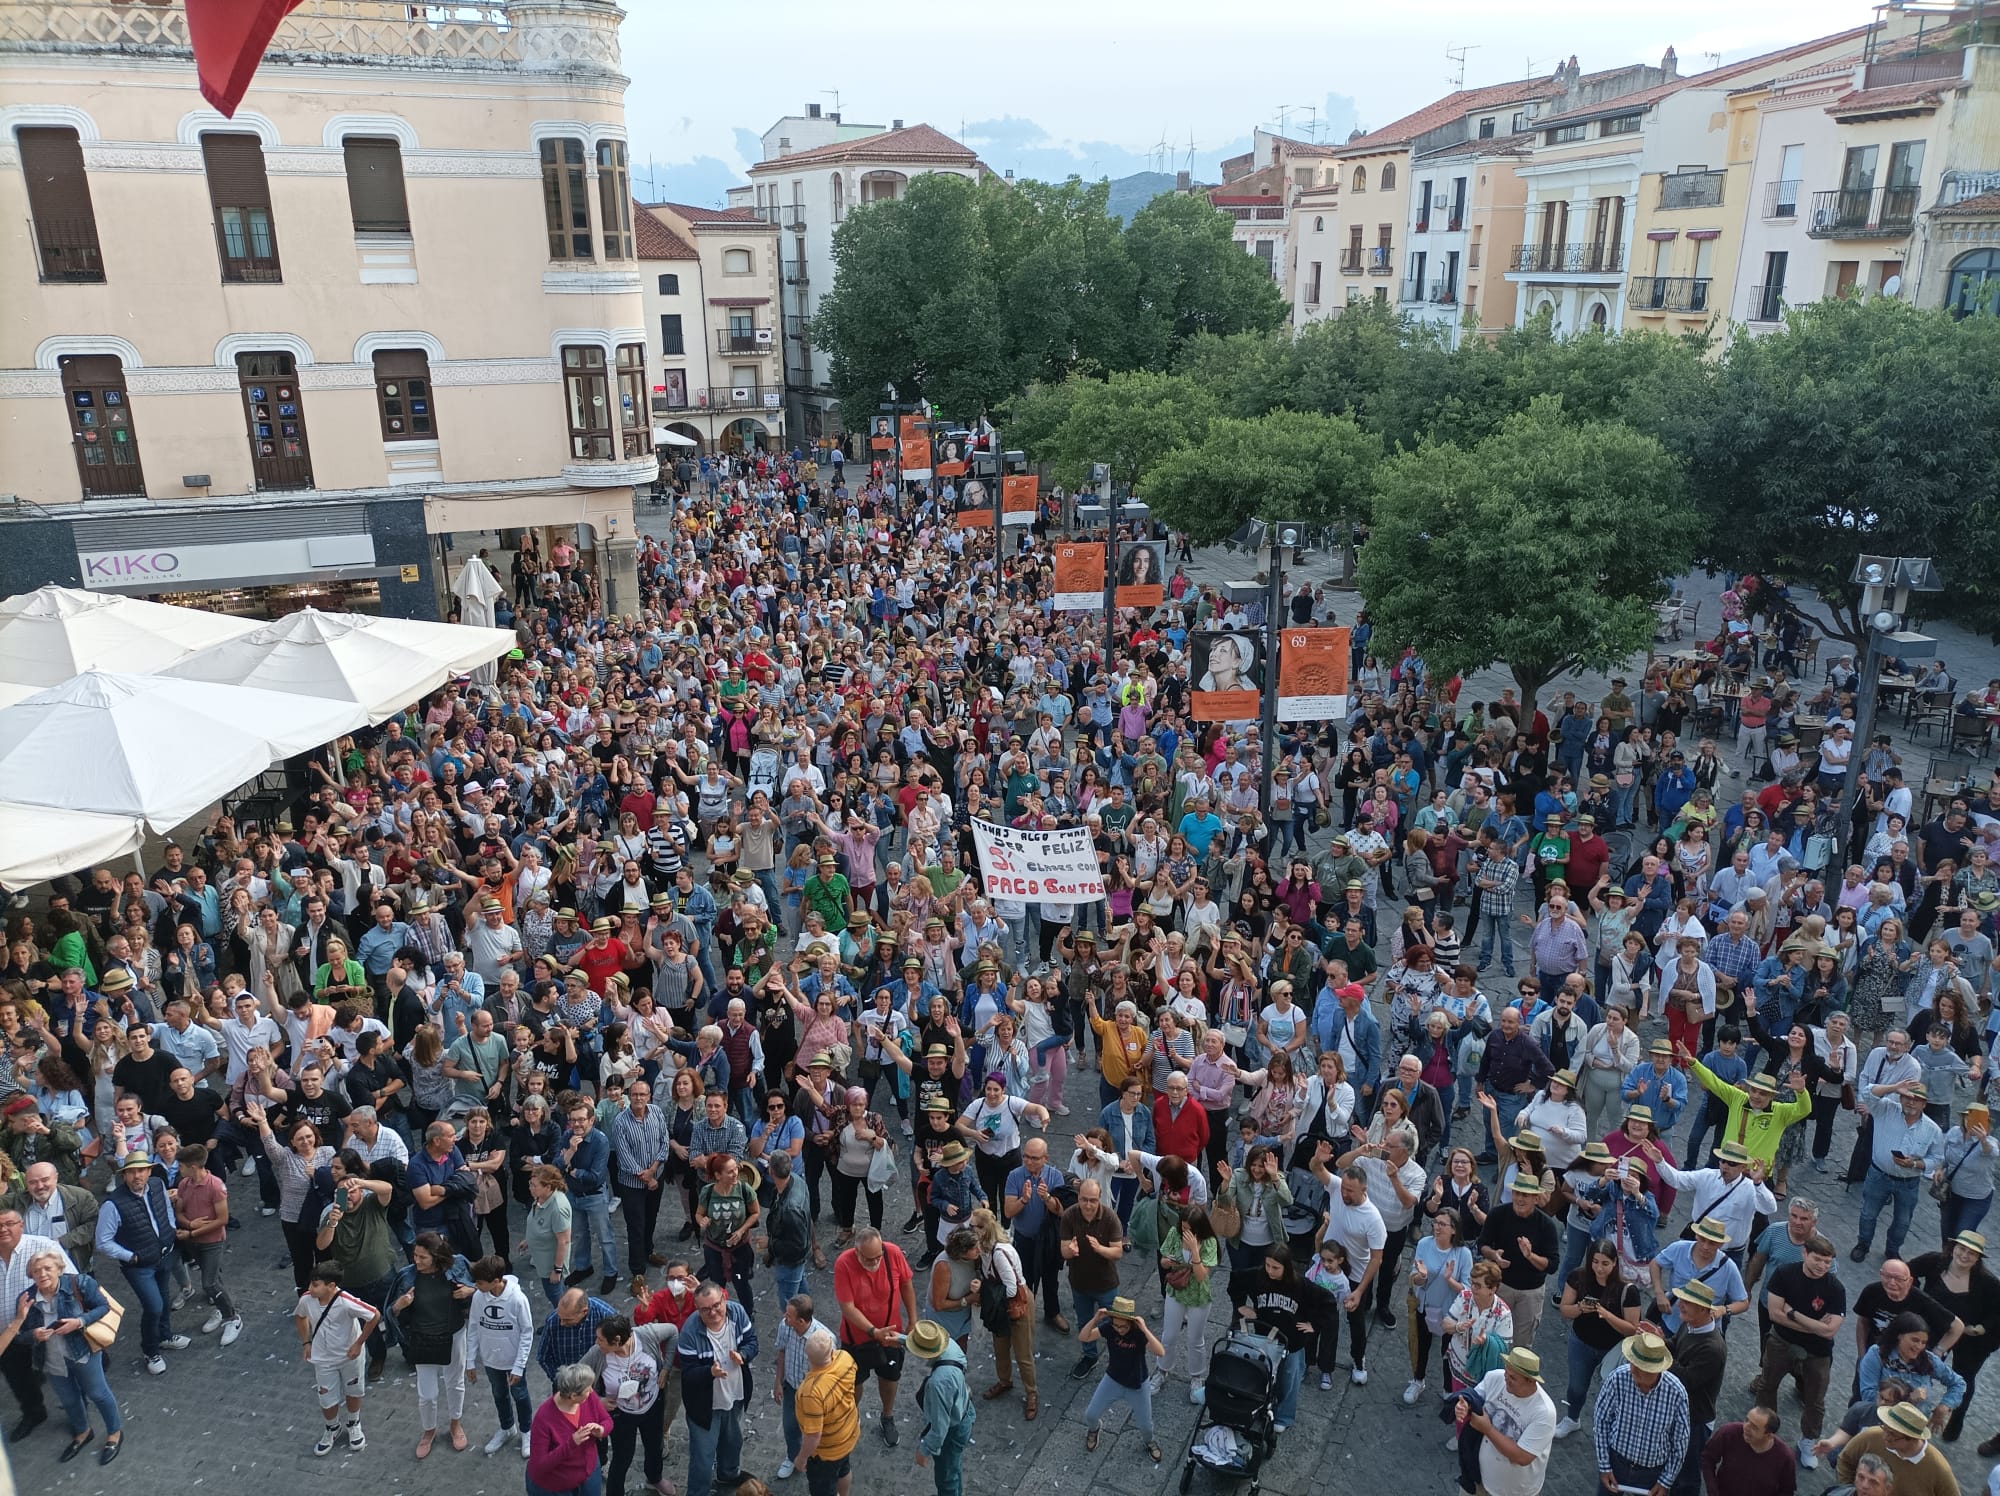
column 477, row 588
column 377, row 665
column 53, row 633
column 663, row 437
column 38, row 843
column 151, row 746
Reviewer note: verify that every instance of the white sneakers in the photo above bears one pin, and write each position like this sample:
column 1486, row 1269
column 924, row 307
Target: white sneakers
column 524, row 1444
column 1155, row 1382
column 175, row 1343
column 1414, row 1391
column 785, row 1470
column 157, row 1365
column 499, row 1440
column 1197, row 1394
column 249, row 1168
column 1361, row 1376
column 355, row 1438
column 231, row 1330
column 1565, row 1426
column 1808, row 1460
column 213, row 1323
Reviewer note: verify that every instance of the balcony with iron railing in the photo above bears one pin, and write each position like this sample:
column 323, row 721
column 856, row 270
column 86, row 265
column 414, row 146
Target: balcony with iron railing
column 1863, row 213
column 1382, row 260
column 1767, row 304
column 798, row 328
column 751, row 340
column 458, row 34
column 794, row 272
column 741, row 396
column 1412, row 288
column 1443, row 292
column 1668, row 293
column 1691, row 189
column 68, row 249
column 1781, row 199
column 1454, row 220
column 790, row 216
column 1931, row 66
column 1424, row 224
column 1351, row 261
column 1569, row 259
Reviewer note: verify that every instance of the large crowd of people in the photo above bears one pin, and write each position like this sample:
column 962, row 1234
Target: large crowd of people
column 578, row 1030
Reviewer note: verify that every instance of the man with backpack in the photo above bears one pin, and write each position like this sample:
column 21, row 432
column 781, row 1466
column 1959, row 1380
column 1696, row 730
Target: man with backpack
column 947, row 1405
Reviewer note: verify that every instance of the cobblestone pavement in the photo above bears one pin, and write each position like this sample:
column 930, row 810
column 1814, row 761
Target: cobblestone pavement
column 243, row 1420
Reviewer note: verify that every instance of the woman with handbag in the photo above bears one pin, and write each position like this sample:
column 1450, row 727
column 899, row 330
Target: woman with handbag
column 432, row 1299
column 72, row 1321
column 485, row 1153
column 1188, row 1259
column 1963, row 1182
column 1007, row 1309
column 295, row 1162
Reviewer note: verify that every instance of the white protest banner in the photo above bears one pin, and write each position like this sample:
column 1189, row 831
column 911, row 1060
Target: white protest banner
column 1038, row 867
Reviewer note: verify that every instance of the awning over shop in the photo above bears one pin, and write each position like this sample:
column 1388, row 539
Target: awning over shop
column 598, row 508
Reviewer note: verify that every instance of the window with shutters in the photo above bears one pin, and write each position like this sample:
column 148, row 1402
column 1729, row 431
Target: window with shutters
column 65, row 226
column 375, row 185
column 633, row 415
column 737, row 262
column 403, row 395
column 614, row 199
column 671, row 341
column 276, row 419
column 670, row 285
column 592, row 433
column 100, row 426
column 240, row 194
column 564, row 200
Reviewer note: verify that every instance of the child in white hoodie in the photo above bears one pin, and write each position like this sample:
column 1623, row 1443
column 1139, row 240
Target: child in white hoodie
column 501, row 1333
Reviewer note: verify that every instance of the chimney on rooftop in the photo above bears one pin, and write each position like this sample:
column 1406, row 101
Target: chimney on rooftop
column 895, row 124
column 1183, row 181
column 1671, row 64
column 812, row 111
column 1010, row 173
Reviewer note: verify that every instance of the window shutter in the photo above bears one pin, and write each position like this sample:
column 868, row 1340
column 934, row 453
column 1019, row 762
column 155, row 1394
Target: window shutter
column 236, row 171
column 52, row 161
column 375, row 185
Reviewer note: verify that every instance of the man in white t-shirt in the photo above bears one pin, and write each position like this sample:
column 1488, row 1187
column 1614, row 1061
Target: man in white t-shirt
column 1395, row 1189
column 1353, row 1222
column 1516, row 1423
column 333, row 1329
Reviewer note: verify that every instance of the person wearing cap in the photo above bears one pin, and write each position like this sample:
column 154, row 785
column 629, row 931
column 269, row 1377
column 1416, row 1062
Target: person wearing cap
column 1514, row 1419
column 136, row 1229
column 1127, row 1340
column 1900, row 1444
column 1640, row 1426
column 946, row 1400
column 1906, row 1146
column 491, row 944
column 1699, row 1257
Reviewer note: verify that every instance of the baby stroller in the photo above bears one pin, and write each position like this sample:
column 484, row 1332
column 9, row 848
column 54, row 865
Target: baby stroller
column 1235, row 1432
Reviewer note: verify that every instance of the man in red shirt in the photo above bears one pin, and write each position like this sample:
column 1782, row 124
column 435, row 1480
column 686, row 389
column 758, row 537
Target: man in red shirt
column 878, row 1305
column 603, row 956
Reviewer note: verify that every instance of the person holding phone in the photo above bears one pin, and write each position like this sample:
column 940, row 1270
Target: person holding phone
column 562, row 1444
column 1907, row 1146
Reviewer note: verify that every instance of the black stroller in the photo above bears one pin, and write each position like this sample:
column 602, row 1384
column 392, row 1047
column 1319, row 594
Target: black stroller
column 1241, row 1398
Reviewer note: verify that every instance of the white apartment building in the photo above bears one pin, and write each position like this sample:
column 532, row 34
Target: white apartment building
column 808, row 191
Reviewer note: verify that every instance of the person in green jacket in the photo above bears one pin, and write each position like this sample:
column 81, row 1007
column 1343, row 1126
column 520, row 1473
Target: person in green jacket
column 1756, row 1119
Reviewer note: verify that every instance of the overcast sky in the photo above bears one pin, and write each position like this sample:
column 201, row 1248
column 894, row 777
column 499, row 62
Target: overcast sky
column 1051, row 87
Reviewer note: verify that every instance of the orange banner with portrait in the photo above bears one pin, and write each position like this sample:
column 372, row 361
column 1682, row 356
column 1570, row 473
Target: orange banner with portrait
column 1227, row 672
column 1312, row 675
column 1079, row 577
column 1142, row 574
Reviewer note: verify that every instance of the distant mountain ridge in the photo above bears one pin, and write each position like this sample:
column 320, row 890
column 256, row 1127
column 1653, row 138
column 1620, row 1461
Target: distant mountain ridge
column 1130, row 194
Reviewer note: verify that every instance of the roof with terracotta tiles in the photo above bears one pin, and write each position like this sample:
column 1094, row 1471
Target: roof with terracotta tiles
column 1984, row 205
column 1450, row 107
column 912, row 143
column 1641, row 98
column 656, row 240
column 699, row 216
column 1900, row 98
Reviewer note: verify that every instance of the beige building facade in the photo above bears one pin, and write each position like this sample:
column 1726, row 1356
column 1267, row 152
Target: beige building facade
column 291, row 356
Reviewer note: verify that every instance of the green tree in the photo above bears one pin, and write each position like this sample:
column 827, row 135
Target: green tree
column 1129, row 421
column 1545, row 545
column 1863, row 427
column 1283, row 465
column 1193, row 278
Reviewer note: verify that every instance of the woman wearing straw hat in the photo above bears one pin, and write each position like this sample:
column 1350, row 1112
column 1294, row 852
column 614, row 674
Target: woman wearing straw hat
column 1127, row 1340
column 1959, row 1279
column 1641, row 1422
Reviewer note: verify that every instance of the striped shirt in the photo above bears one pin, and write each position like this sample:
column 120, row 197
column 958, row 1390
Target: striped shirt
column 792, row 1348
column 1649, row 1429
column 638, row 1144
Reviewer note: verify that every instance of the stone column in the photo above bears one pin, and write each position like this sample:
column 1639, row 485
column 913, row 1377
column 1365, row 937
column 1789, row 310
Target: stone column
column 620, row 561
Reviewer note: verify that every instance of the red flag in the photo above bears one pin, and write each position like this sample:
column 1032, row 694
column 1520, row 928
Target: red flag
column 229, row 38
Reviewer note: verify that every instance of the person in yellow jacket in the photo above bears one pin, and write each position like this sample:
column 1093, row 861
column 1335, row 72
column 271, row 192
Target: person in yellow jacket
column 1756, row 1118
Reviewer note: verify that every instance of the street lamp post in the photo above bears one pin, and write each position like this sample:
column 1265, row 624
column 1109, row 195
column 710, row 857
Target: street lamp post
column 1280, row 536
column 1886, row 583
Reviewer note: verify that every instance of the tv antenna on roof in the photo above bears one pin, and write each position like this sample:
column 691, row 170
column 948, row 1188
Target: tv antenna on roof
column 1457, row 55
column 834, row 94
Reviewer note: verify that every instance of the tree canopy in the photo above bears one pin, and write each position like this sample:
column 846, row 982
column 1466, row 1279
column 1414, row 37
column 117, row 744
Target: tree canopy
column 1545, row 545
column 1282, row 465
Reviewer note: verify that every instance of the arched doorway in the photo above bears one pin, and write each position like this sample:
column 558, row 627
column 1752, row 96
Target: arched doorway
column 692, row 433
column 1600, row 316
column 883, row 186
column 743, row 435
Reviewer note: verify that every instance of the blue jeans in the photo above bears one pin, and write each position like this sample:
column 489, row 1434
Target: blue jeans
column 1575, row 1245
column 1124, row 1195
column 791, row 1282
column 592, row 1487
column 1583, row 1364
column 85, row 1382
column 716, row 1451
column 1469, row 1050
column 1510, row 1105
column 1900, row 1195
column 948, row 1468
column 1497, row 925
column 154, row 1286
column 1958, row 1214
column 593, row 1217
column 1087, row 1304
column 1140, row 1399
column 1291, row 1371
column 789, row 1417
column 511, row 1403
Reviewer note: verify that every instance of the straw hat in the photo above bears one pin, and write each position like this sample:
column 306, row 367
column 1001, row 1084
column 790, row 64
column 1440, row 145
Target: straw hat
column 927, row 1338
column 1524, row 1362
column 1597, row 1153
column 1710, row 1229
column 1905, row 1419
column 1647, row 1352
column 1124, row 1308
column 1972, row 1241
column 1697, row 1293
column 1762, row 1082
column 1732, row 1153
column 1525, row 1184
column 955, row 1153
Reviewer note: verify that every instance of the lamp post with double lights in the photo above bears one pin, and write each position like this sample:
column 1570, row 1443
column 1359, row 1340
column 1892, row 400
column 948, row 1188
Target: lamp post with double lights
column 1886, row 583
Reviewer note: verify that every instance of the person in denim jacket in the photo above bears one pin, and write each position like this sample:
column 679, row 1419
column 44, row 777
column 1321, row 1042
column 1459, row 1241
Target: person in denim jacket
column 69, row 1302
